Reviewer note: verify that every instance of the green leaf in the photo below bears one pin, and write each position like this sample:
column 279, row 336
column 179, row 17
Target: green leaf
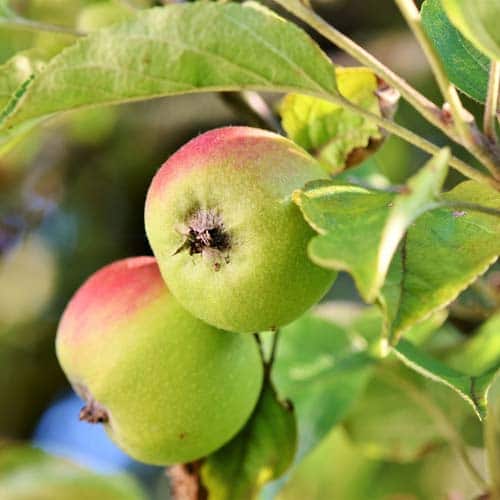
column 418, row 197
column 334, row 470
column 260, row 452
column 442, row 253
column 321, row 370
column 327, row 130
column 370, row 323
column 473, row 389
column 350, row 220
column 445, row 251
column 361, row 229
column 395, row 419
column 478, row 21
column 177, row 49
column 482, row 351
column 466, row 67
column 338, row 471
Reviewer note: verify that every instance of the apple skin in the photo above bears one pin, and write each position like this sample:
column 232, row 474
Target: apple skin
column 245, row 176
column 168, row 387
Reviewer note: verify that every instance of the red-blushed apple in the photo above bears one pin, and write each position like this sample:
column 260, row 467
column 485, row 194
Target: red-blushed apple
column 230, row 242
column 168, row 387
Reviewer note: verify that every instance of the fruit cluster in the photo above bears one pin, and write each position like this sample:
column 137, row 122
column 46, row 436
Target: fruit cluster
column 159, row 347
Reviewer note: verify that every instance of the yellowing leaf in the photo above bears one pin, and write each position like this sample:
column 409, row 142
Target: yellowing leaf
column 329, row 131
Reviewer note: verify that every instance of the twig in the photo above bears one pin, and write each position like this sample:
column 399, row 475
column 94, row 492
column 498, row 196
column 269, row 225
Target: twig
column 274, row 348
column 186, row 481
column 426, row 108
column 268, row 364
column 462, row 119
column 492, row 102
column 259, row 344
column 253, row 107
column 413, row 138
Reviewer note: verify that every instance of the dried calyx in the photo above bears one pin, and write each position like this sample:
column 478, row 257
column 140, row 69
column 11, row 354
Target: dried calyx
column 206, row 235
column 94, row 413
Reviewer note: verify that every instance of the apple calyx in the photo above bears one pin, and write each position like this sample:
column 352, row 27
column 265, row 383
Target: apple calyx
column 94, row 413
column 206, row 235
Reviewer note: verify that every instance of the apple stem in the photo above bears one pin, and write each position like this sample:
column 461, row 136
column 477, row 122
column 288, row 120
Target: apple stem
column 274, row 348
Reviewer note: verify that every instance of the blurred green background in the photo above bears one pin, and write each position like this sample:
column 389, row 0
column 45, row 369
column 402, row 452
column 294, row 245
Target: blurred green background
column 71, row 200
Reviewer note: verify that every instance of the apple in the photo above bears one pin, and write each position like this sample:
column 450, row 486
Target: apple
column 168, row 387
column 230, row 242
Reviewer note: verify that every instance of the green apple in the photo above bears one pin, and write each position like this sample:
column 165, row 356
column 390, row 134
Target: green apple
column 230, row 242
column 168, row 387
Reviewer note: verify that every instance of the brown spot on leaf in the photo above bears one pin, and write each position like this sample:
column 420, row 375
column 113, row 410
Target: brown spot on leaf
column 358, row 155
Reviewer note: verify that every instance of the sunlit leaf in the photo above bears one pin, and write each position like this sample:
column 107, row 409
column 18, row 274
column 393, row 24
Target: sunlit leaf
column 177, row 49
column 361, row 228
column 350, row 220
column 441, row 253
